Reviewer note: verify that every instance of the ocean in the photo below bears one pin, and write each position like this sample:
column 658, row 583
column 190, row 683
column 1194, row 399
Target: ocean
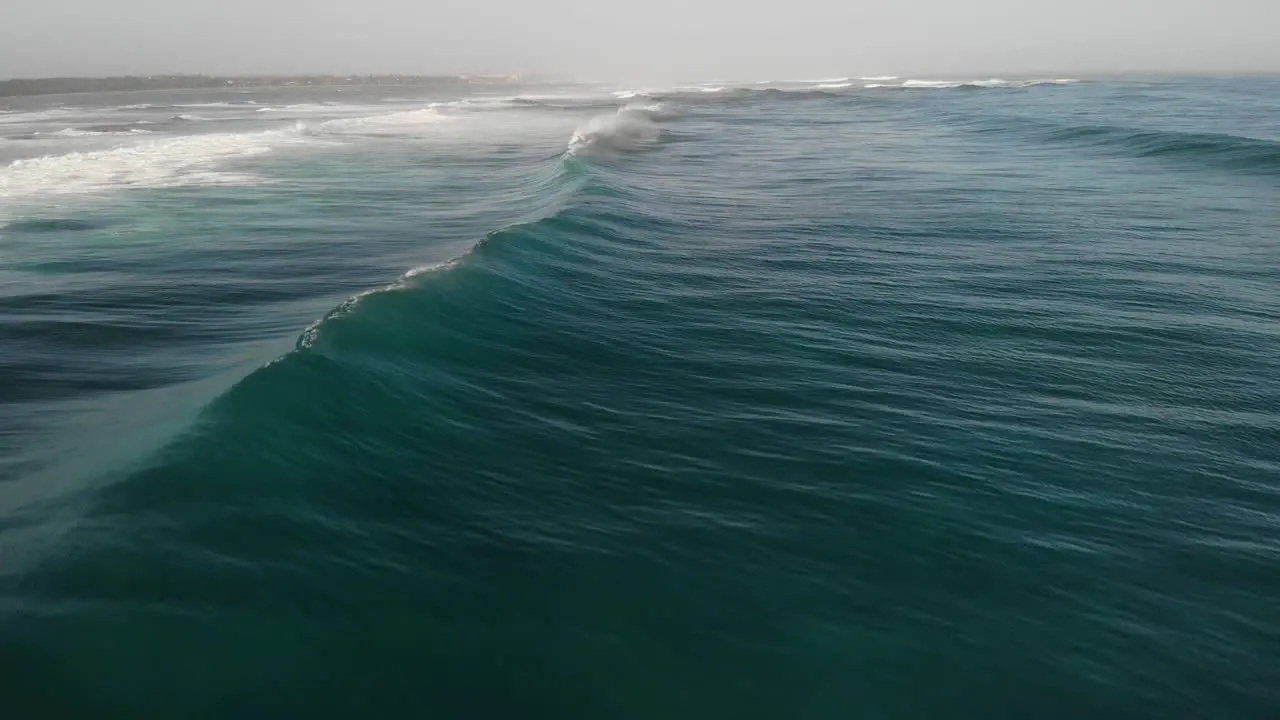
column 820, row 398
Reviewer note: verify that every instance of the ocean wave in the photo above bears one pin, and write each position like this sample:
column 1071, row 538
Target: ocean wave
column 931, row 84
column 218, row 104
column 1233, row 152
column 550, row 191
column 299, row 108
column 547, row 102
column 92, row 132
column 161, row 163
column 832, row 86
column 987, row 83
column 631, row 128
column 311, row 334
column 21, row 117
column 189, row 118
column 396, row 123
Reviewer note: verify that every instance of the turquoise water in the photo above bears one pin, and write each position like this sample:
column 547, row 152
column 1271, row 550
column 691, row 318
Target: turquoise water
column 838, row 399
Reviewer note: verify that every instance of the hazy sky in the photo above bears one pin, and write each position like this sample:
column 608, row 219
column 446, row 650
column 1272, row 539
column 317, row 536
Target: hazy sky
column 637, row 39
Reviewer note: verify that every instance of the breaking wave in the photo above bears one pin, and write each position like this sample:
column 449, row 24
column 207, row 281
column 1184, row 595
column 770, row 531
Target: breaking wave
column 96, row 132
column 631, row 128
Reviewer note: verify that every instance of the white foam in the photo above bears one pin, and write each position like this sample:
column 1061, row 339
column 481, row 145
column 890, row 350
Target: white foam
column 38, row 115
column 300, row 108
column 832, row 86
column 630, row 128
column 191, row 118
column 934, row 84
column 987, row 83
column 161, row 163
column 76, row 132
column 396, row 123
column 879, row 78
column 431, row 267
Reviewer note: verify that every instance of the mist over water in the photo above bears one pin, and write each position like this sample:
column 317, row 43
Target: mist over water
column 862, row 395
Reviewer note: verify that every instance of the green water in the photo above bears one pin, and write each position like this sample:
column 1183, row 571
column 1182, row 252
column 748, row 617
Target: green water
column 783, row 402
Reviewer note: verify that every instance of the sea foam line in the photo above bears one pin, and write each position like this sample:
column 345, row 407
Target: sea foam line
column 161, row 163
column 184, row 160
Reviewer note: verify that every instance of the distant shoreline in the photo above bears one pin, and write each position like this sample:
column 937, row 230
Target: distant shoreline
column 60, row 86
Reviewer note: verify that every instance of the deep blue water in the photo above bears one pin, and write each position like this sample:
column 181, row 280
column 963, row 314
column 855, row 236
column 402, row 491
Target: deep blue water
column 829, row 399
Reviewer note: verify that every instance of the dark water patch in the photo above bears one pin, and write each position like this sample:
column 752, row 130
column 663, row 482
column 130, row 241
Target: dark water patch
column 53, row 225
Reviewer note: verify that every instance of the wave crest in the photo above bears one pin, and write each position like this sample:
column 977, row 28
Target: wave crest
column 1232, row 152
column 631, row 128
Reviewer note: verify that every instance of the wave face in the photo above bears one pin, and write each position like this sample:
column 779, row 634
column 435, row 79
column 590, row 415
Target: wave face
column 580, row 401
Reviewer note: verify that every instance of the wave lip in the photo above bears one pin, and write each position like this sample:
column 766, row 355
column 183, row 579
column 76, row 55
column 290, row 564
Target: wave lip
column 312, row 332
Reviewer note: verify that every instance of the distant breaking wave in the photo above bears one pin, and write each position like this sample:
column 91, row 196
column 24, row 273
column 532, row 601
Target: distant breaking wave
column 397, row 123
column 160, row 163
column 183, row 160
column 808, row 88
column 988, row 83
column 94, row 132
